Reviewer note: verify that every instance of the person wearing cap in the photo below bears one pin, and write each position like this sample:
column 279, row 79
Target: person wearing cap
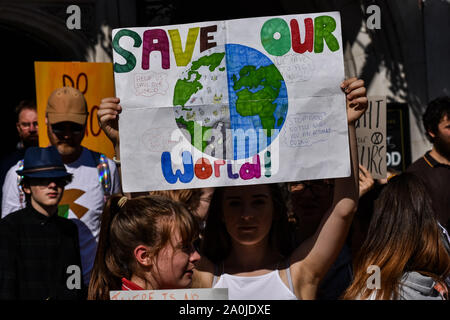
column 95, row 177
column 39, row 251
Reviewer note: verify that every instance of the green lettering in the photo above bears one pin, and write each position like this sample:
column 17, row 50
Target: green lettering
column 323, row 28
column 127, row 55
column 276, row 37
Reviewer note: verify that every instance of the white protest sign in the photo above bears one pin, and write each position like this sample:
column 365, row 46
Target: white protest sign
column 173, row 294
column 232, row 102
column 371, row 137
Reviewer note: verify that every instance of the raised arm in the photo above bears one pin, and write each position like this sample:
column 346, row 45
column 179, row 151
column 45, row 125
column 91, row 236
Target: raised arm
column 108, row 118
column 312, row 259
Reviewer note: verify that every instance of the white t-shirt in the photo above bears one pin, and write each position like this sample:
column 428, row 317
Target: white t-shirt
column 268, row 286
column 82, row 202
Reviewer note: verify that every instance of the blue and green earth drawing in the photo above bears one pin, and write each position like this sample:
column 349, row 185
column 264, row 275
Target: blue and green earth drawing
column 253, row 115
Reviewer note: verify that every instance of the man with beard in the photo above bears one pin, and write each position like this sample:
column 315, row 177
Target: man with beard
column 27, row 128
column 434, row 167
column 95, row 177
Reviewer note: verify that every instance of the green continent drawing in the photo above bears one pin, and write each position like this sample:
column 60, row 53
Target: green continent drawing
column 257, row 90
column 185, row 89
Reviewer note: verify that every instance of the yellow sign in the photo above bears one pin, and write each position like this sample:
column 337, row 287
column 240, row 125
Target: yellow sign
column 94, row 80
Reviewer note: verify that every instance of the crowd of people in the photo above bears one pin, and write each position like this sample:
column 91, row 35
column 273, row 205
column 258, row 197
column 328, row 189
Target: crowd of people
column 312, row 239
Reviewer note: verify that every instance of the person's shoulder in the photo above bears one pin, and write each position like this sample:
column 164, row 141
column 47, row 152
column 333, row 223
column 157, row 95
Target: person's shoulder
column 96, row 155
column 417, row 165
column 15, row 166
column 10, row 160
column 13, row 219
column 203, row 273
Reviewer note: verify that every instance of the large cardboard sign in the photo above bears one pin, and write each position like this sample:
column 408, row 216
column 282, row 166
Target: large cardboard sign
column 231, row 102
column 371, row 137
column 94, row 80
column 173, row 294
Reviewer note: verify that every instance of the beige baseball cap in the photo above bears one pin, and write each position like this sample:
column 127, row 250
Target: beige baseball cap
column 67, row 104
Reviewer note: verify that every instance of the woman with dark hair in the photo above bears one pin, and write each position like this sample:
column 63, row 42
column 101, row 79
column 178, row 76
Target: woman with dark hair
column 146, row 243
column 405, row 242
column 247, row 246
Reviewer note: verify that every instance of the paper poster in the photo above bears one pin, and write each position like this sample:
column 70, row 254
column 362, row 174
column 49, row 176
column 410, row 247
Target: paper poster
column 371, row 137
column 173, row 294
column 94, row 80
column 232, row 102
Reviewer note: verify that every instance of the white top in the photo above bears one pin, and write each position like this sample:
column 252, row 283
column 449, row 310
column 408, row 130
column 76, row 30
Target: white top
column 268, row 286
column 83, row 197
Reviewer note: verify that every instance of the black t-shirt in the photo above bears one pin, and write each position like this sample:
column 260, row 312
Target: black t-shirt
column 436, row 177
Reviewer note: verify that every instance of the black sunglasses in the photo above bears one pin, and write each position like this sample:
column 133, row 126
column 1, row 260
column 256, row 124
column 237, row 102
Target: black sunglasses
column 60, row 128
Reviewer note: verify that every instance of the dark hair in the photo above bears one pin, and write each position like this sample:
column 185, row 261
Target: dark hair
column 216, row 245
column 403, row 236
column 127, row 223
column 24, row 104
column 436, row 110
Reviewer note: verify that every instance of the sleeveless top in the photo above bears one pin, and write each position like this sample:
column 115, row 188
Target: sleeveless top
column 268, row 286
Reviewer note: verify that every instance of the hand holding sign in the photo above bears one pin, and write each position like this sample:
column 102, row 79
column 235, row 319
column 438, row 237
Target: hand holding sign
column 355, row 97
column 108, row 118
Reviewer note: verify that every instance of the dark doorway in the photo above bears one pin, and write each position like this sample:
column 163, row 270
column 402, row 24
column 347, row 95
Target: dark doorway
column 17, row 81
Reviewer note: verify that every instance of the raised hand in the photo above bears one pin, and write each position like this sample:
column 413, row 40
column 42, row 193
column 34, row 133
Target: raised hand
column 108, row 118
column 366, row 182
column 356, row 98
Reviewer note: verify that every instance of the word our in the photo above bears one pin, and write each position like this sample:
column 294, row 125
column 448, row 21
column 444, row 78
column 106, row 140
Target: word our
column 276, row 36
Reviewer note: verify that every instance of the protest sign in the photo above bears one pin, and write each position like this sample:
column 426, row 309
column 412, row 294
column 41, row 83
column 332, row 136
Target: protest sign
column 231, row 102
column 94, row 80
column 371, row 137
column 173, row 294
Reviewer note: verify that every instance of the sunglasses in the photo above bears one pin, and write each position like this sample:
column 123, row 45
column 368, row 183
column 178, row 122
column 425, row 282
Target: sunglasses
column 44, row 182
column 61, row 128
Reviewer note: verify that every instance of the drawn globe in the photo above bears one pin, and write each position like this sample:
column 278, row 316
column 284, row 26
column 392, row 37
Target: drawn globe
column 236, row 120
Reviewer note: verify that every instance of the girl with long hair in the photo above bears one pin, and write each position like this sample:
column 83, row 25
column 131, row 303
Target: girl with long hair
column 246, row 238
column 146, row 243
column 247, row 243
column 405, row 242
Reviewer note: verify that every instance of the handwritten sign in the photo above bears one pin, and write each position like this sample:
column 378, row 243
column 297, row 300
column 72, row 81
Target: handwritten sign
column 232, row 102
column 371, row 137
column 94, row 80
column 174, row 294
